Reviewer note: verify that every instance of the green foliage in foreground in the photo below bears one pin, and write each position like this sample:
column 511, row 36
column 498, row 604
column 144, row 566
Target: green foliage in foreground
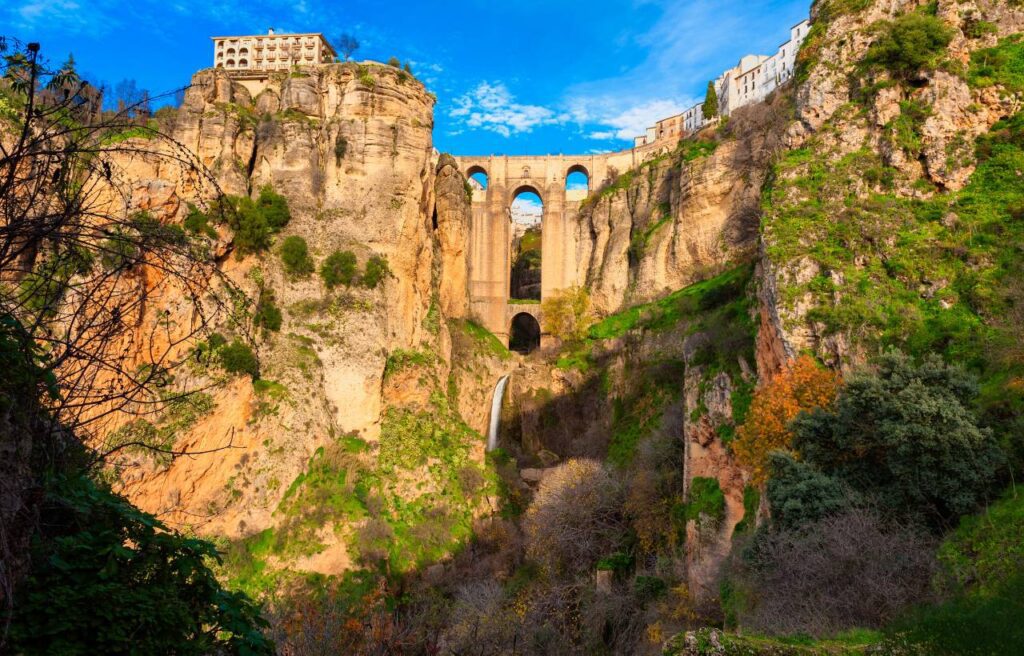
column 920, row 452
column 1002, row 64
column 713, row 642
column 110, row 579
column 255, row 221
column 486, row 342
column 987, row 549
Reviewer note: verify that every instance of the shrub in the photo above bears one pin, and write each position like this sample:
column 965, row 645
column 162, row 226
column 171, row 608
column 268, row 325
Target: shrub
column 845, row 571
column 567, row 314
column 909, row 44
column 376, row 271
column 339, row 269
column 799, row 494
column 575, row 518
column 394, row 61
column 198, row 223
column 705, row 498
column 295, row 257
column 238, row 358
column 801, row 386
column 986, row 550
column 274, row 208
column 710, row 108
column 268, row 315
column 904, row 436
column 119, row 251
column 254, row 222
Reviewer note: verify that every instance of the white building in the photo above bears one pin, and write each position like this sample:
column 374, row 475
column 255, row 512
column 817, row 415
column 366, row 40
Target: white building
column 750, row 81
column 270, row 51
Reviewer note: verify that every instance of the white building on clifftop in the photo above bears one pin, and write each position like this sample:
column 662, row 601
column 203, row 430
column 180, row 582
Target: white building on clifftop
column 270, row 51
column 750, row 81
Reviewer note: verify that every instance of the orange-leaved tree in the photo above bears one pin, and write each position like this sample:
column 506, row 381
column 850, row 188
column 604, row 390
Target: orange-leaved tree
column 802, row 385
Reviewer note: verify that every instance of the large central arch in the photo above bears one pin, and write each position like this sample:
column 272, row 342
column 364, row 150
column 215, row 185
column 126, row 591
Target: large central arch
column 526, row 214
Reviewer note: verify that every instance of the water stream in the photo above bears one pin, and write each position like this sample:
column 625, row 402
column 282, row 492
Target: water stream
column 499, row 395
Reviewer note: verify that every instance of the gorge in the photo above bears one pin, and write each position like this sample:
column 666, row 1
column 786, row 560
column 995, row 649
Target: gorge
column 782, row 349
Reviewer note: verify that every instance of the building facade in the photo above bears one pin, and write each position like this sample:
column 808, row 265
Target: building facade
column 750, row 81
column 270, row 51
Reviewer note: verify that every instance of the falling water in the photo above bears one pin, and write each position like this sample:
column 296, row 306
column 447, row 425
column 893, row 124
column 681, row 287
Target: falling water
column 499, row 394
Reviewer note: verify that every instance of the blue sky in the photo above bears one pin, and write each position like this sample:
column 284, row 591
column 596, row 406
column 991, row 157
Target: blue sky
column 515, row 77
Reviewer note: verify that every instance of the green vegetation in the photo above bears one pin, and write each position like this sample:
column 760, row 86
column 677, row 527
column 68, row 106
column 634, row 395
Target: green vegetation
column 909, row 44
column 710, row 108
column 267, row 315
column 295, row 257
column 1003, row 64
column 254, row 222
column 402, row 359
column 376, row 271
column 638, row 244
column 705, row 498
column 108, row 577
column 198, row 223
column 486, row 342
column 340, row 268
column 238, row 358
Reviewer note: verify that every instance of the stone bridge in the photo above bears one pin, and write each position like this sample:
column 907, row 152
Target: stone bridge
column 490, row 250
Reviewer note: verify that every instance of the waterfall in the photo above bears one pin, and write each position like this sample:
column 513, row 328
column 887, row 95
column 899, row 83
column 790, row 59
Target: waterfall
column 499, row 394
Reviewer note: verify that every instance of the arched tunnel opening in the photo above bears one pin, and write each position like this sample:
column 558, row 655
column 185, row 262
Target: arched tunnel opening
column 524, row 337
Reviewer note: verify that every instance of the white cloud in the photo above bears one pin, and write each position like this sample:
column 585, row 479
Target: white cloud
column 491, row 106
column 527, row 211
column 625, row 122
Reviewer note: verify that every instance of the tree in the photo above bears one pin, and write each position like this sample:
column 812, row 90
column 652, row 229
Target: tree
column 710, row 109
column 909, row 44
column 339, row 269
column 346, row 45
column 802, row 385
column 109, row 578
column 576, row 517
column 295, row 257
column 903, row 435
column 567, row 314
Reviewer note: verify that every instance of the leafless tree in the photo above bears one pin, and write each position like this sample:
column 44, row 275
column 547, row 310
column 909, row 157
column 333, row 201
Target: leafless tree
column 346, row 45
column 850, row 570
column 576, row 517
column 82, row 264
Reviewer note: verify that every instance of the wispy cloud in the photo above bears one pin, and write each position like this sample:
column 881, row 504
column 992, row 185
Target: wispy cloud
column 491, row 106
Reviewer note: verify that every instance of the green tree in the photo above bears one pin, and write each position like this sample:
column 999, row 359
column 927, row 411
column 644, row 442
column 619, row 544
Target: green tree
column 909, row 44
column 710, row 109
column 295, row 257
column 339, row 269
column 904, row 435
column 108, row 578
column 800, row 494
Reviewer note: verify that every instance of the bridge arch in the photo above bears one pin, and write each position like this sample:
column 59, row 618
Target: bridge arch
column 525, row 189
column 524, row 333
column 479, row 175
column 577, row 178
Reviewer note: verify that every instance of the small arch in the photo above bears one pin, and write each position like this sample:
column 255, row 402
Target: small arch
column 230, row 63
column 477, row 175
column 243, row 63
column 524, row 334
column 231, row 51
column 243, row 51
column 577, row 178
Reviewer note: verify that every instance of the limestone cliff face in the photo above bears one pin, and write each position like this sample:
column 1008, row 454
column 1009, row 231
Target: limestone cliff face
column 350, row 148
column 836, row 121
column 681, row 216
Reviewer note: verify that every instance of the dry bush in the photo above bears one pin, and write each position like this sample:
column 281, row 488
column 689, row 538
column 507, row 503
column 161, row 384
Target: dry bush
column 480, row 622
column 575, row 518
column 850, row 570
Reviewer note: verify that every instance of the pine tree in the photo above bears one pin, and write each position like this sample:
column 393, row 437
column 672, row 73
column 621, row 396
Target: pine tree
column 711, row 102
